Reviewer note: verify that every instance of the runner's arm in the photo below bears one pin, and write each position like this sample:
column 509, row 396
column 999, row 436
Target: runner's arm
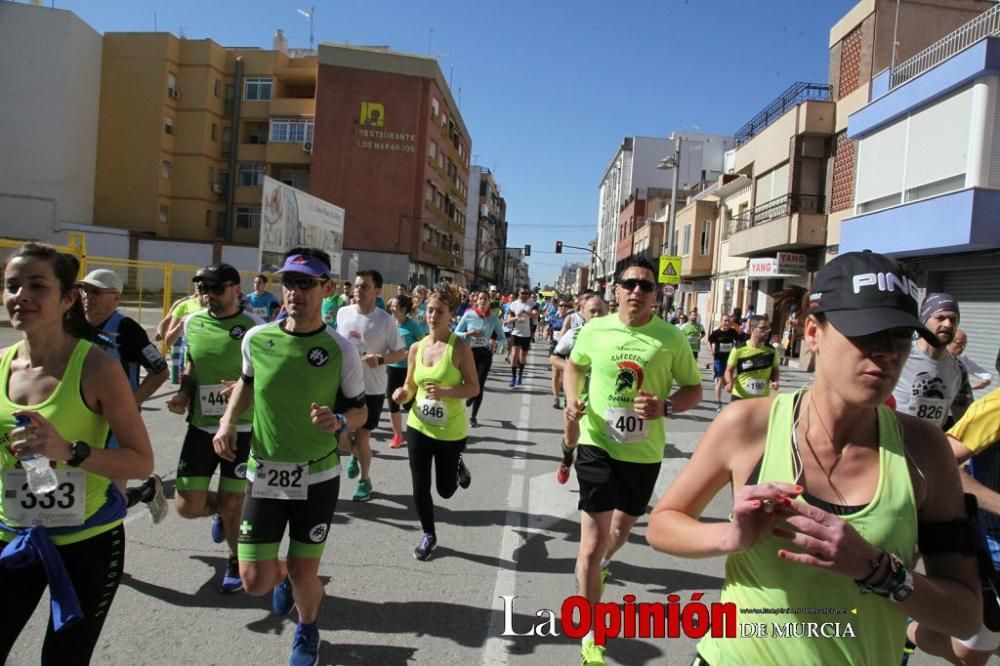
column 988, row 500
column 148, row 356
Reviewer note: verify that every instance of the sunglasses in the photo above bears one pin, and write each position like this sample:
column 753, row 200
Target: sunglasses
column 630, row 284
column 300, row 283
column 94, row 291
column 215, row 288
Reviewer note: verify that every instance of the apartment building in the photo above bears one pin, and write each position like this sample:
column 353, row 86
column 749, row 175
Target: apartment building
column 485, row 228
column 391, row 148
column 928, row 173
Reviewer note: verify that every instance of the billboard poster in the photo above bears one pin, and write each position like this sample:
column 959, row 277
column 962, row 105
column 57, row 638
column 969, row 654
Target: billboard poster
column 290, row 218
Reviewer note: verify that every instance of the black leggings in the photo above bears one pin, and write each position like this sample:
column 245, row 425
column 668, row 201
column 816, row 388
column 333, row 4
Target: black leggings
column 484, row 361
column 95, row 566
column 396, row 377
column 423, row 450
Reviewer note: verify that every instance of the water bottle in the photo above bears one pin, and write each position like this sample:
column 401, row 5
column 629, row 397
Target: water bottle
column 41, row 477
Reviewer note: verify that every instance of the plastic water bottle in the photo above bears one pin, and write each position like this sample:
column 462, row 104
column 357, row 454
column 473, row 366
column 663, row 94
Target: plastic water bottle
column 41, row 477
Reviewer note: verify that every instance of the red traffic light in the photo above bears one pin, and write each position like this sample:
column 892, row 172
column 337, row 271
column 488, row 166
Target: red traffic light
column 558, row 247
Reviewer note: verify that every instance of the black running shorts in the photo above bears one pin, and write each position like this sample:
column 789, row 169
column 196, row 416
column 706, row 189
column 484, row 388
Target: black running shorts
column 607, row 484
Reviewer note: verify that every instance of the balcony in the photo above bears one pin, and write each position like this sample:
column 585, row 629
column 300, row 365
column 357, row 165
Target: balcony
column 293, row 106
column 286, row 152
column 796, row 94
column 790, row 222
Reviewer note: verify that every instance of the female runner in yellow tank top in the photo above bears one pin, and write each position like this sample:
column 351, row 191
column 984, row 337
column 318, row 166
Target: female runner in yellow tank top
column 441, row 375
column 70, row 392
column 830, row 488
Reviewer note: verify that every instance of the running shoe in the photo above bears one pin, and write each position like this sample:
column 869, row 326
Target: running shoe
column 396, row 441
column 512, row 383
column 157, row 504
column 473, row 422
column 557, row 404
column 591, row 654
column 231, row 577
column 562, row 474
column 218, row 529
column 281, row 598
column 605, row 575
column 520, row 380
column 464, row 475
column 353, row 467
column 305, row 646
column 426, row 545
column 363, row 491
column 718, row 407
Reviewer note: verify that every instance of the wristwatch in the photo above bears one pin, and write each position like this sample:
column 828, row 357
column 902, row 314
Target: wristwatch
column 80, row 451
column 903, row 589
column 381, row 359
column 668, row 408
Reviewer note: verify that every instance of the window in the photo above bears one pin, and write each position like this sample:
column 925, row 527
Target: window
column 687, row 240
column 165, row 169
column 164, row 213
column 435, row 107
column 432, row 151
column 217, row 89
column 440, row 160
column 227, row 104
column 427, row 233
column 215, row 132
column 252, row 175
column 257, row 90
column 292, row 131
column 171, row 84
column 429, row 195
column 168, row 125
column 706, row 237
column 248, row 217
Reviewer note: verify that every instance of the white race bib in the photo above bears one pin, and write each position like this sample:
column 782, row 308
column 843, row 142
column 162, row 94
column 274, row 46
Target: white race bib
column 260, row 312
column 725, row 347
column 63, row 507
column 934, row 410
column 755, row 386
column 213, row 402
column 624, row 425
column 281, row 481
column 432, row 412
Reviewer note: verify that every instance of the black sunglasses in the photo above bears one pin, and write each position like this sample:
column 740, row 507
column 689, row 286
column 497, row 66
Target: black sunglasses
column 214, row 288
column 630, row 284
column 300, row 283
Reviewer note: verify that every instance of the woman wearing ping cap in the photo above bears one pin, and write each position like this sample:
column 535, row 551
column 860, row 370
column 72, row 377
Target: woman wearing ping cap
column 829, row 489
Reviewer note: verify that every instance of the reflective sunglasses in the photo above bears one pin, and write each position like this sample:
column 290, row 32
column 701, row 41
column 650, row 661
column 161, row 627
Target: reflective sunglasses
column 301, row 283
column 630, row 284
column 214, row 288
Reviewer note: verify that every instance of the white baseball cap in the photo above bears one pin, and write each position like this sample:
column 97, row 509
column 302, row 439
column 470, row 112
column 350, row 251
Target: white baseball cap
column 104, row 278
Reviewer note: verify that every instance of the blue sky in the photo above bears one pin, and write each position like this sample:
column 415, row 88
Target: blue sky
column 548, row 88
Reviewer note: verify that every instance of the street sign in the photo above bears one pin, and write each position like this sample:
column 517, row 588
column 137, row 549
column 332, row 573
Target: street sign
column 668, row 290
column 670, row 270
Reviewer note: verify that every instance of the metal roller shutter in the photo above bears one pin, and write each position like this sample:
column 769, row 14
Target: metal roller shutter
column 978, row 294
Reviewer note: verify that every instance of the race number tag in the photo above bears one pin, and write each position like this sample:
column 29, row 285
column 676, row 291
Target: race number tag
column 933, row 410
column 432, row 412
column 261, row 312
column 755, row 386
column 63, row 507
column 725, row 347
column 213, row 401
column 624, row 425
column 281, row 481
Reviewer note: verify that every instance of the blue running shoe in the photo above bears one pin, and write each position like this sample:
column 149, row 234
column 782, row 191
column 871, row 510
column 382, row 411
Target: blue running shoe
column 218, row 529
column 512, row 383
column 353, row 468
column 520, row 380
column 231, row 578
column 305, row 646
column 281, row 598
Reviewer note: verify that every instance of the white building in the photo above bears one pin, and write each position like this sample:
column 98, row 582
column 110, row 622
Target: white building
column 50, row 70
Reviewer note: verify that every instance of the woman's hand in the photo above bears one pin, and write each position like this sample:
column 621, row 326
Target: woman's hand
column 433, row 391
column 826, row 541
column 39, row 437
column 754, row 513
column 401, row 395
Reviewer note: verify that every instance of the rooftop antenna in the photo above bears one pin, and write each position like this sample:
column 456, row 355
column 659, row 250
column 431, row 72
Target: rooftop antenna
column 430, row 33
column 311, row 15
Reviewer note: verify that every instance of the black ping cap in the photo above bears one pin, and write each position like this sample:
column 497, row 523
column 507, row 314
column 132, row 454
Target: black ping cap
column 862, row 293
column 221, row 272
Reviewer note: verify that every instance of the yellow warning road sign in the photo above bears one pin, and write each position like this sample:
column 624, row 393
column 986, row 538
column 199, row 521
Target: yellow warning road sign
column 670, row 270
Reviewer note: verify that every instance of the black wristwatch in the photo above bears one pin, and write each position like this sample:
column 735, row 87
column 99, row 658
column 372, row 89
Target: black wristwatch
column 80, row 451
column 381, row 359
column 668, row 408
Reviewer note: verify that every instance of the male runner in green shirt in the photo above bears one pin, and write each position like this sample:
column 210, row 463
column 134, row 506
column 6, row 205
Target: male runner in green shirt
column 752, row 371
column 634, row 358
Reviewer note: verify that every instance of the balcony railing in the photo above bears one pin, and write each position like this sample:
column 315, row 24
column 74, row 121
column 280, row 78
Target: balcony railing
column 984, row 25
column 774, row 209
column 796, row 94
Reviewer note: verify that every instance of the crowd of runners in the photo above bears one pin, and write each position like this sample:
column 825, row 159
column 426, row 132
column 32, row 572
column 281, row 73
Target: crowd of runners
column 847, row 493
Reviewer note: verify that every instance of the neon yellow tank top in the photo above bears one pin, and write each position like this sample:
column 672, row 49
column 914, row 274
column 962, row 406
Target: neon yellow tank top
column 74, row 420
column 757, row 578
column 441, row 419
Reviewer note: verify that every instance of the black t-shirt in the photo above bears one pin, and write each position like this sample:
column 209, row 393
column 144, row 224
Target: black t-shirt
column 723, row 341
column 133, row 346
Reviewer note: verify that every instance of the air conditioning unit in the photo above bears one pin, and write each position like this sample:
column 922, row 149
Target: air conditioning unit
column 217, row 188
column 174, row 93
column 307, row 146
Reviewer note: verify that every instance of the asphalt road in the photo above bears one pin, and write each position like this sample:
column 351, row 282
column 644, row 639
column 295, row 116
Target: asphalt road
column 514, row 533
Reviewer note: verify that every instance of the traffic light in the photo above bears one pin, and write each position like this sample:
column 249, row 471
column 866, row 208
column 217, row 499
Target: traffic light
column 527, row 250
column 558, row 247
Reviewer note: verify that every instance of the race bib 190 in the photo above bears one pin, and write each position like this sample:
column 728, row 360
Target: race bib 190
column 213, row 401
column 624, row 425
column 432, row 412
column 281, row 481
column 63, row 507
column 755, row 386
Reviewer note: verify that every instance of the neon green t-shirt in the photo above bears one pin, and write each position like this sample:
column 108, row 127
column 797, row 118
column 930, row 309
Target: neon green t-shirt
column 186, row 307
column 752, row 368
column 288, row 373
column 693, row 332
column 624, row 360
column 213, row 345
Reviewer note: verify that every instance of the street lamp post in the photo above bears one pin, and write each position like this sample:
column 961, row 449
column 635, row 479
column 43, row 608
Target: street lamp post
column 673, row 162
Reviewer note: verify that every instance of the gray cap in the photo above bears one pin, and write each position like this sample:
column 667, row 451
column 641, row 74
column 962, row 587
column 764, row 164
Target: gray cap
column 104, row 278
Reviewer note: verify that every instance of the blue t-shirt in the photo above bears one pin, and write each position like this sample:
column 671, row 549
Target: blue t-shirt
column 263, row 305
column 410, row 331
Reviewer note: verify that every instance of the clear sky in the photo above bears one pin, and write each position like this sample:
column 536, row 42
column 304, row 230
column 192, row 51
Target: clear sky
column 547, row 88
